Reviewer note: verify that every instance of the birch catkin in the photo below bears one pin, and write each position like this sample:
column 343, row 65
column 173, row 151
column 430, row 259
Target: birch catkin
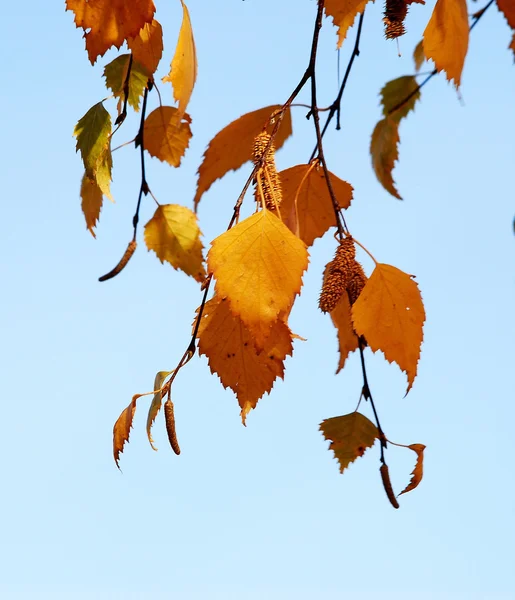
column 338, row 274
column 170, row 427
column 267, row 178
column 395, row 12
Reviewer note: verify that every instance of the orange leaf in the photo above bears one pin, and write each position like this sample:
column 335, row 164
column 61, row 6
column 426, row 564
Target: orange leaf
column 343, row 13
column 228, row 345
column 390, row 314
column 446, row 38
column 147, row 46
column 350, row 436
column 92, row 198
column 418, row 471
column 306, row 206
column 167, row 135
column 122, row 429
column 183, row 69
column 347, row 338
column 507, row 7
column 258, row 265
column 385, row 152
column 108, row 23
column 232, row 147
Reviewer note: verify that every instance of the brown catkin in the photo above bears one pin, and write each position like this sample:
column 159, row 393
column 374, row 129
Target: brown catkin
column 395, row 12
column 337, row 275
column 131, row 248
column 387, row 484
column 170, row 427
column 357, row 281
column 267, row 178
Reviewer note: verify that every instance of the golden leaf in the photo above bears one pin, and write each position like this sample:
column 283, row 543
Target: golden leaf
column 306, row 208
column 91, row 196
column 395, row 92
column 390, row 314
column 343, row 13
column 122, row 429
column 229, row 347
column 446, row 38
column 155, row 405
column 115, row 74
column 347, row 338
column 167, row 135
column 258, row 265
column 384, row 151
column 507, row 7
column 350, row 436
column 147, row 46
column 418, row 55
column 173, row 234
column 183, row 69
column 232, row 146
column 418, row 471
column 108, row 23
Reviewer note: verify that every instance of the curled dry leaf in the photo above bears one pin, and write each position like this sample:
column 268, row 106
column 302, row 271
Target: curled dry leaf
column 229, row 347
column 446, row 38
column 122, row 429
column 307, row 209
column 155, row 405
column 108, row 23
column 384, row 151
column 418, row 471
column 390, row 314
column 167, row 134
column 232, row 146
column 258, row 265
column 147, row 47
column 350, row 436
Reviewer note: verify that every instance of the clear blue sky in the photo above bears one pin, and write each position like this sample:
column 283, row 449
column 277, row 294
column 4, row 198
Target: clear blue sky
column 256, row 512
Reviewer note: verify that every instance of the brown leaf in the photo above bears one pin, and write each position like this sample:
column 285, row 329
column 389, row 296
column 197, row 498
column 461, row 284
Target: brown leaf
column 347, row 338
column 384, row 151
column 232, row 146
column 306, row 208
column 418, row 471
column 343, row 13
column 122, row 429
column 418, row 55
column 507, row 7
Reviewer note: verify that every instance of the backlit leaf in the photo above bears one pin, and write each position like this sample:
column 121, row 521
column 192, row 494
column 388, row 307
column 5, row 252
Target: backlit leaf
column 395, row 92
column 258, row 265
column 418, row 55
column 122, row 429
column 229, row 347
column 384, row 151
column 147, row 46
column 91, row 196
column 306, row 205
column 155, row 405
column 115, row 74
column 446, row 37
column 183, row 70
column 92, row 133
column 173, row 234
column 232, row 147
column 390, row 314
column 418, row 471
column 347, row 338
column 108, row 23
column 350, row 435
column 343, row 13
column 507, row 7
column 167, row 135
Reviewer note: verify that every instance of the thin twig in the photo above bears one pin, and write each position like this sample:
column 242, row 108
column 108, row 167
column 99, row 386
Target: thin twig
column 140, row 142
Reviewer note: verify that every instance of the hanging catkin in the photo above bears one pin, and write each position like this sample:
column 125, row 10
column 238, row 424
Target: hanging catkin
column 267, row 179
column 337, row 275
column 357, row 281
column 395, row 12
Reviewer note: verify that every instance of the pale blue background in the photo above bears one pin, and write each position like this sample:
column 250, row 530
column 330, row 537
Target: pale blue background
column 256, row 512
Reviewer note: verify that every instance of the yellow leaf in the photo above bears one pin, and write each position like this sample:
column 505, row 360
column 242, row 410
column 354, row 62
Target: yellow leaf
column 446, row 38
column 350, row 435
column 229, row 347
column 347, row 338
column 91, row 196
column 155, row 405
column 384, row 151
column 173, row 234
column 108, row 23
column 390, row 314
column 258, row 265
column 147, row 46
column 418, row 55
column 183, row 70
column 343, row 13
column 115, row 74
column 232, row 147
column 395, row 92
column 306, row 208
column 167, row 135
column 417, row 473
column 507, row 7
column 122, row 429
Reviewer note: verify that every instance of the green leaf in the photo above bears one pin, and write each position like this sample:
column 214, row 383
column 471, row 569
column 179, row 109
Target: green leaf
column 395, row 92
column 155, row 406
column 350, row 435
column 115, row 74
column 92, row 133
